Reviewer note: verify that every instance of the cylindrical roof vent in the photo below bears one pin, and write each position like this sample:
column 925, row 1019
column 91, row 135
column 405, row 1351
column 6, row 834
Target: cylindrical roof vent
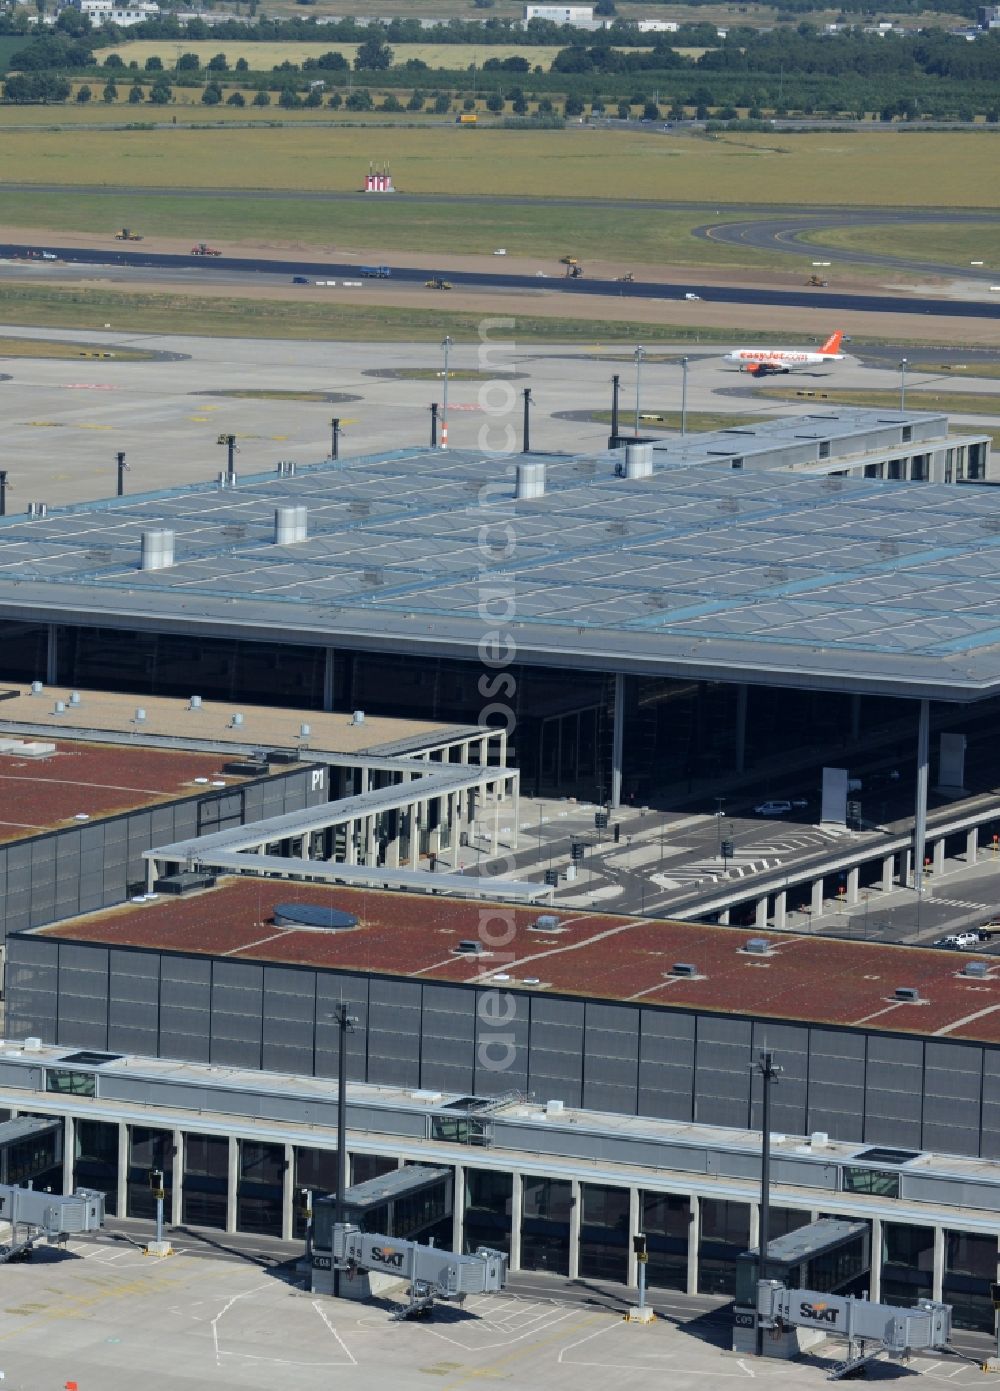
column 157, row 550
column 638, row 460
column 530, row 480
column 291, row 524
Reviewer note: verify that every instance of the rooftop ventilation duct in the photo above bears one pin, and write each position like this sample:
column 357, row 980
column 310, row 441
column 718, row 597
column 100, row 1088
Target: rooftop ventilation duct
column 976, row 969
column 157, row 550
column 291, row 524
column 38, row 509
column 530, row 480
column 908, row 993
column 638, row 460
column 286, row 468
column 468, row 947
column 759, row 946
column 685, row 969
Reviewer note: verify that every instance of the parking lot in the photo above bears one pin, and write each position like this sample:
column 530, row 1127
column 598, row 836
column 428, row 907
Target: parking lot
column 105, row 1316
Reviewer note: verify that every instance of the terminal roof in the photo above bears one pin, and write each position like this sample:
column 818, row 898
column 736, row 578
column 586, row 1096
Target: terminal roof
column 592, row 955
column 700, row 569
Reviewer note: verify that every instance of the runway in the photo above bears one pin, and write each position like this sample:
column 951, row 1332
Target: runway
column 249, row 268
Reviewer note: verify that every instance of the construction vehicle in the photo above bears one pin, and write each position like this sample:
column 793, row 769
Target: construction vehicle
column 436, row 283
column 127, row 235
column 815, row 280
column 627, row 279
column 574, row 271
column 203, row 249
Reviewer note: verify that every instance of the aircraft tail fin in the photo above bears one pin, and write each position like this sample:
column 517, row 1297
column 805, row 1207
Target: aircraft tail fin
column 832, row 344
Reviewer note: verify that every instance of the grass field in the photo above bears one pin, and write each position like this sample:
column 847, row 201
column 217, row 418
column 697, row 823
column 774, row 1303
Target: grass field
column 884, row 169
column 919, row 399
column 663, row 419
column 50, row 348
column 953, row 245
column 234, row 317
column 262, row 57
column 389, row 225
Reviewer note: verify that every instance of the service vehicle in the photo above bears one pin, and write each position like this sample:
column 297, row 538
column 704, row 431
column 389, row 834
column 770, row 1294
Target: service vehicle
column 574, row 272
column 127, row 235
column 467, row 118
column 436, row 283
column 300, row 280
column 375, row 272
column 500, row 251
column 49, row 256
column 568, row 261
column 817, row 281
column 689, row 295
column 203, row 249
column 780, row 806
column 627, row 279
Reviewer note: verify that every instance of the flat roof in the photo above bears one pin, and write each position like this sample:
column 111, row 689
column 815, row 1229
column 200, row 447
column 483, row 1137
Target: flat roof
column 82, row 782
column 700, row 570
column 266, row 725
column 593, row 955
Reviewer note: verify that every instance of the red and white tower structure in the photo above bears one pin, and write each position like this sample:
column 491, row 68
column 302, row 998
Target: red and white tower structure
column 379, row 182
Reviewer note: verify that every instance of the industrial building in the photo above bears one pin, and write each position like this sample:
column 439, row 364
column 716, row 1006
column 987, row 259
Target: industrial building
column 186, row 917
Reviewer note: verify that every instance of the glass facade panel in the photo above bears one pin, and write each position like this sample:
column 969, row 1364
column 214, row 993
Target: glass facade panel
column 604, row 1233
column 36, row 1160
column 206, row 1176
column 970, row 1264
column 883, row 1183
column 666, row 1220
column 907, row 1263
column 489, row 1200
column 725, row 1233
column 316, row 1170
column 545, row 1225
column 366, row 1166
column 97, row 1160
column 259, row 1188
column 68, row 1083
column 148, row 1149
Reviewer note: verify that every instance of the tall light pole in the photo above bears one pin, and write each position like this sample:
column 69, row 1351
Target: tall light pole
column 640, row 353
column 902, row 384
column 684, row 395
column 447, row 342
column 769, row 1074
column 345, row 1025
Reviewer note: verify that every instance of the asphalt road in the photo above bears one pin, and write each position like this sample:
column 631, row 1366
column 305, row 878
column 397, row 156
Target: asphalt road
column 785, row 233
column 719, row 294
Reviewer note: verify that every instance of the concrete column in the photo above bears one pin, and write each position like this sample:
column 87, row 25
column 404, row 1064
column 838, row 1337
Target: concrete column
column 350, row 852
column 938, row 1283
column 755, row 1225
column 724, row 918
column 122, row 1194
column 288, row 1195
column 516, row 1218
column 484, row 751
column 52, row 655
column 741, row 727
column 634, row 1227
column 920, row 810
column 576, row 1203
column 816, row 898
column 392, row 846
column 413, row 822
column 69, row 1154
column 853, row 883
column 454, row 834
column 780, row 905
column 618, row 741
column 875, row 1288
column 304, row 850
column 906, row 866
column 177, row 1184
column 496, row 817
column 694, row 1235
column 938, row 857
column 515, row 792
column 972, row 845
column 463, row 751
column 503, row 748
column 370, row 851
column 855, row 718
column 760, row 912
column 458, row 1209
column 233, row 1178
column 328, row 679
column 888, row 873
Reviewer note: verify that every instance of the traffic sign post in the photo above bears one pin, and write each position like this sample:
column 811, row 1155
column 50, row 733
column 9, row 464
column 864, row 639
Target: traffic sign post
column 640, row 1314
column 159, row 1247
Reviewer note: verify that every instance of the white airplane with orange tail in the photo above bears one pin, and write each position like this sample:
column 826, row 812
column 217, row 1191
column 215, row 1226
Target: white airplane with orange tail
column 763, row 362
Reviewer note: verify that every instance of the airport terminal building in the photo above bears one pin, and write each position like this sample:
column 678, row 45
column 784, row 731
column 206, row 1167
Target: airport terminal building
column 212, row 880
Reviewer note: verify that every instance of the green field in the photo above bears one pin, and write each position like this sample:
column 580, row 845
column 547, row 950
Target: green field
column 9, row 45
column 917, row 399
column 870, row 170
column 954, row 245
column 388, row 225
column 233, row 317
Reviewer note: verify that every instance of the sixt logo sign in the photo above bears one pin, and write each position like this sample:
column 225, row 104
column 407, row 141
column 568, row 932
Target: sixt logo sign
column 385, row 1255
column 820, row 1313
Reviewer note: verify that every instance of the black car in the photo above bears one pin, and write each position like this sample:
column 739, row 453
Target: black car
column 300, row 280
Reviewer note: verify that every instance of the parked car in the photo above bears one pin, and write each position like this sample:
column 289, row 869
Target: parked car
column 299, row 280
column 779, row 807
column 959, row 941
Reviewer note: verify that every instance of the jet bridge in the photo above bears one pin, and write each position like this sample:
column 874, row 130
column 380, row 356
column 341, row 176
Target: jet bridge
column 870, row 1330
column 36, row 1216
column 432, row 1274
